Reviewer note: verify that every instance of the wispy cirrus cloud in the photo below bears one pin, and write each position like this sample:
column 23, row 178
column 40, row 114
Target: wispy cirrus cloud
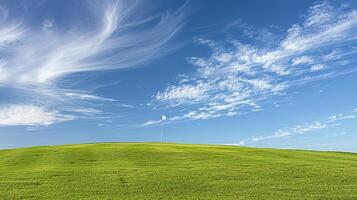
column 155, row 122
column 122, row 34
column 115, row 43
column 10, row 32
column 302, row 129
column 297, row 130
column 237, row 77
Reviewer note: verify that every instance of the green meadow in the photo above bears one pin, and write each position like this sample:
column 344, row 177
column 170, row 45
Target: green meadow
column 174, row 171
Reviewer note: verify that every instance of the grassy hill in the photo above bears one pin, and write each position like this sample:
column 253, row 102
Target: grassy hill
column 173, row 171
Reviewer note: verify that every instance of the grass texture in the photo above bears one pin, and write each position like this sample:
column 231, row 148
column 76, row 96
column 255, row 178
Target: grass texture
column 174, row 171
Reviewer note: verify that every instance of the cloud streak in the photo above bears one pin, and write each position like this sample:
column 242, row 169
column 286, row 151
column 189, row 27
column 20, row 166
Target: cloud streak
column 302, row 129
column 10, row 32
column 116, row 43
column 239, row 77
column 122, row 34
column 30, row 115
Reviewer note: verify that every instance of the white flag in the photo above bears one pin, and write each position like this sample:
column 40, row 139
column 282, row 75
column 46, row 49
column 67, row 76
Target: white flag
column 163, row 118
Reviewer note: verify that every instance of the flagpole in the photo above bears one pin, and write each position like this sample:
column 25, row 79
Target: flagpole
column 163, row 118
column 161, row 134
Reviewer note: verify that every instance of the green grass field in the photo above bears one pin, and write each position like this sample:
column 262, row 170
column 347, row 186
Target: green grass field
column 173, row 171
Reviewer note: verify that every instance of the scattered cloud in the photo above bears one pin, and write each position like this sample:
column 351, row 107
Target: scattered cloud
column 84, row 96
column 302, row 60
column 303, row 129
column 116, row 43
column 87, row 111
column 317, row 67
column 239, row 77
column 30, row 115
column 152, row 122
column 297, row 130
column 155, row 122
column 10, row 32
column 35, row 59
column 47, row 24
column 340, row 117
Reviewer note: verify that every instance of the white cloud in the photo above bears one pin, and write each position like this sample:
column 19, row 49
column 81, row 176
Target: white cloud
column 239, row 77
column 47, row 24
column 87, row 110
column 302, row 60
column 30, row 115
column 321, row 13
column 297, row 130
column 339, row 117
column 184, row 93
column 81, row 95
column 37, row 59
column 305, row 128
column 152, row 122
column 317, row 67
column 10, row 33
column 116, row 43
column 156, row 122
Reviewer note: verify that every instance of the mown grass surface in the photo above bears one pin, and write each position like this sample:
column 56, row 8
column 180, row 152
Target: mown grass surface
column 173, row 171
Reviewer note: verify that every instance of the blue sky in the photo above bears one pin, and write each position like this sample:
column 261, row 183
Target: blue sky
column 278, row 74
